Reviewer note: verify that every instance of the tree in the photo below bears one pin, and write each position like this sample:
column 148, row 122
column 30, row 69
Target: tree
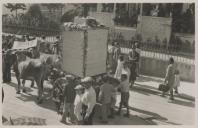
column 69, row 15
column 34, row 15
column 53, row 7
column 78, row 10
column 55, row 10
column 15, row 7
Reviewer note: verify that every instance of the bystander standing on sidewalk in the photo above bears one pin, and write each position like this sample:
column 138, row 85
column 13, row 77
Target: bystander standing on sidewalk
column 111, row 62
column 170, row 78
column 133, row 57
column 119, row 68
column 116, row 55
column 177, row 81
column 138, row 50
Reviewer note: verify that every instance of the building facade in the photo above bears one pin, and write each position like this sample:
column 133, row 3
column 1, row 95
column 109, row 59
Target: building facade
column 150, row 20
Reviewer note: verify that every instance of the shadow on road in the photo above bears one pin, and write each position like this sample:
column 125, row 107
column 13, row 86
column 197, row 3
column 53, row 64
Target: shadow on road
column 147, row 79
column 183, row 103
column 25, row 121
column 121, row 120
column 151, row 114
column 26, row 97
column 47, row 103
column 141, row 88
column 140, row 91
column 28, row 89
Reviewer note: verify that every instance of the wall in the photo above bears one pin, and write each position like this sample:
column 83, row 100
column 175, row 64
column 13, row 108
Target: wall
column 127, row 32
column 185, row 37
column 107, row 19
column 149, row 27
column 157, row 67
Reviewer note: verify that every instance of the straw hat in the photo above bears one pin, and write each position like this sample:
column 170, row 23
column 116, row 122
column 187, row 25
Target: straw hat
column 86, row 79
column 78, row 87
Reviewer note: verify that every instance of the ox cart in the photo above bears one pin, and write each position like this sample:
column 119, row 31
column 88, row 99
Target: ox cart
column 85, row 52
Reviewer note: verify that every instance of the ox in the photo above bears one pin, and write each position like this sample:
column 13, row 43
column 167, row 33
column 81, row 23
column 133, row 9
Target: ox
column 29, row 69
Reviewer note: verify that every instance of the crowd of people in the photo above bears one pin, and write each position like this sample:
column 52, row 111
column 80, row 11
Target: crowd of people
column 43, row 46
column 80, row 97
column 129, row 65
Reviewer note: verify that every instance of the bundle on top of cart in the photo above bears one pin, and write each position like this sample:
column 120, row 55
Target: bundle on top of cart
column 83, row 24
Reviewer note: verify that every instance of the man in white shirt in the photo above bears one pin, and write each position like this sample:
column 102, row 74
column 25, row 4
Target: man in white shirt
column 88, row 100
column 78, row 104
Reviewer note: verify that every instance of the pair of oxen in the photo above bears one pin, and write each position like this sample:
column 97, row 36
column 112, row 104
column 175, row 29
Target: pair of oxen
column 37, row 68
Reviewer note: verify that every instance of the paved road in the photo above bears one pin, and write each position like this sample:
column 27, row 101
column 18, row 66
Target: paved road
column 146, row 108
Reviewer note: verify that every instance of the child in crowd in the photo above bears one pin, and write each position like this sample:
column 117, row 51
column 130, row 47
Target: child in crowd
column 115, row 84
column 177, row 81
column 124, row 89
column 126, row 70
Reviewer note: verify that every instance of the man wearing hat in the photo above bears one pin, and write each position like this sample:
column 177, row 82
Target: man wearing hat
column 69, row 97
column 88, row 100
column 78, row 104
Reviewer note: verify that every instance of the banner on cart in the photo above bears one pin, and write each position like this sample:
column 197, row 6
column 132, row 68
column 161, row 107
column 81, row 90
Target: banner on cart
column 25, row 45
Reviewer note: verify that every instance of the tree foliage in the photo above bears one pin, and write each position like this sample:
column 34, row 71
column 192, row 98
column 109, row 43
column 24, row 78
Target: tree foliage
column 52, row 7
column 15, row 7
column 78, row 10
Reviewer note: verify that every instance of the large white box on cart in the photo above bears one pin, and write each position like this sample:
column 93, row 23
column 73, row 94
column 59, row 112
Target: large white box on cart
column 85, row 52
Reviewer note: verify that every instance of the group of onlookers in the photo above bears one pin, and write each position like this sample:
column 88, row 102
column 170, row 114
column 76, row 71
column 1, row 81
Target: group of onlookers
column 130, row 65
column 83, row 98
column 120, row 63
column 79, row 101
column 8, row 42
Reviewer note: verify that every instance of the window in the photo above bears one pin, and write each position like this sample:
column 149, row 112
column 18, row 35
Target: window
column 107, row 7
column 127, row 15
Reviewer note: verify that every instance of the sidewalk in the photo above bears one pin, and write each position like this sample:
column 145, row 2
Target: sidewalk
column 150, row 84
